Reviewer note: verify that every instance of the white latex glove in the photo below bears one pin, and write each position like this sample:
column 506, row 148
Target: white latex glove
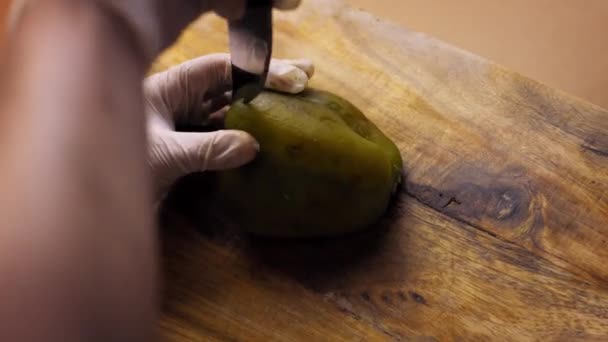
column 187, row 94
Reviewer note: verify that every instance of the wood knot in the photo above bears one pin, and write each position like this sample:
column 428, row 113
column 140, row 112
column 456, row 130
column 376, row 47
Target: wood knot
column 386, row 298
column 505, row 205
column 417, row 297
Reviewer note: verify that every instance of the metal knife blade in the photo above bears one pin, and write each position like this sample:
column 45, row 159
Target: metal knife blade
column 251, row 49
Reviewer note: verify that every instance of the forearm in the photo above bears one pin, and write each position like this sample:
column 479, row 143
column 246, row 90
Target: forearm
column 77, row 241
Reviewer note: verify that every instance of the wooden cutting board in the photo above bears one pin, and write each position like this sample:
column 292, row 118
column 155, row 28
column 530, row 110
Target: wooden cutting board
column 501, row 232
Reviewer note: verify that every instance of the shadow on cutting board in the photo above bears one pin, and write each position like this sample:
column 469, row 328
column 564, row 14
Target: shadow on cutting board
column 319, row 264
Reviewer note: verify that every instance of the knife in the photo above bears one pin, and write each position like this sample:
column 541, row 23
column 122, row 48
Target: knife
column 251, row 49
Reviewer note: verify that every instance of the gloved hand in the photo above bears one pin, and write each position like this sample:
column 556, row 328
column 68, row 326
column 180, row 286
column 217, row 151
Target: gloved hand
column 187, row 94
column 153, row 24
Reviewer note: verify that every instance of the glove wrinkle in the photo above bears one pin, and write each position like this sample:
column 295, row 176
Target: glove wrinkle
column 205, row 152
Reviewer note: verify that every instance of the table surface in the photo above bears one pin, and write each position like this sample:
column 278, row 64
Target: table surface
column 560, row 43
column 500, row 232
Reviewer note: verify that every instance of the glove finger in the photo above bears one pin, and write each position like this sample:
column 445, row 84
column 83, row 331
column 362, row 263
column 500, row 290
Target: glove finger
column 217, row 118
column 177, row 154
column 207, row 109
column 213, row 151
column 183, row 89
column 289, row 76
column 286, row 77
column 304, row 64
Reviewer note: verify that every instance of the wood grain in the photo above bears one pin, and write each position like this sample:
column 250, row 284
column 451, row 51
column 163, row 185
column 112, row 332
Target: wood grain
column 500, row 232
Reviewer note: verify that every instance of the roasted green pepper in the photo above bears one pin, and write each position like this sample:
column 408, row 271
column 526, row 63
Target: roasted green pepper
column 323, row 168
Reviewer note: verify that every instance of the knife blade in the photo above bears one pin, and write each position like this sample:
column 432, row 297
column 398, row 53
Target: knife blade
column 251, row 49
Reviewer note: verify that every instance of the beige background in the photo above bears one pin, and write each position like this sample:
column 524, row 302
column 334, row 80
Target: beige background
column 563, row 43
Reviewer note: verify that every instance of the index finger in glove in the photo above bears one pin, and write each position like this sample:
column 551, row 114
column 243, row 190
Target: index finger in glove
column 188, row 86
